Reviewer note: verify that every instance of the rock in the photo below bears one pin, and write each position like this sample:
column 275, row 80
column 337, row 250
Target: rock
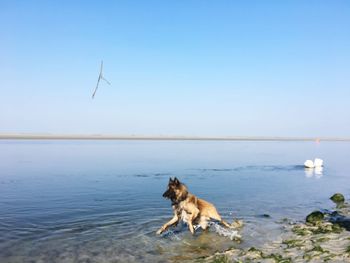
column 315, row 217
column 309, row 164
column 254, row 253
column 338, row 198
column 264, row 216
column 343, row 222
column 340, row 220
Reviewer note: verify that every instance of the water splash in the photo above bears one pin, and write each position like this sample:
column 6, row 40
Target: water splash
column 222, row 231
column 218, row 229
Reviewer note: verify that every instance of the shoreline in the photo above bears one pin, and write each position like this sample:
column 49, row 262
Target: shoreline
column 326, row 246
column 323, row 237
column 18, row 136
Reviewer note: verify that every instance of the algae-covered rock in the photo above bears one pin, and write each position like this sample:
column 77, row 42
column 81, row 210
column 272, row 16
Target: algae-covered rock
column 315, row 217
column 338, row 198
column 326, row 227
column 254, row 253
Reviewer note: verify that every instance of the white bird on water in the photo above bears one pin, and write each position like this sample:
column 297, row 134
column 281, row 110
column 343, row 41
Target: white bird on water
column 310, row 164
column 99, row 78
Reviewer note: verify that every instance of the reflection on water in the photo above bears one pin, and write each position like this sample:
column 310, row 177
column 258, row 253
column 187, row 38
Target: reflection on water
column 93, row 201
column 316, row 172
column 309, row 172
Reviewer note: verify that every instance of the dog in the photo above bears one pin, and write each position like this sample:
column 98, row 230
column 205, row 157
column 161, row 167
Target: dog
column 191, row 209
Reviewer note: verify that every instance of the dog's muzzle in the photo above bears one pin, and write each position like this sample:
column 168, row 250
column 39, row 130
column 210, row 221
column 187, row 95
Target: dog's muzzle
column 168, row 194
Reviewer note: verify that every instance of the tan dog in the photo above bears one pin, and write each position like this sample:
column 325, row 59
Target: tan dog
column 190, row 209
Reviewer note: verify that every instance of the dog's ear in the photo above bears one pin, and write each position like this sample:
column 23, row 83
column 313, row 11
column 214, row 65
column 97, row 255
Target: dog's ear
column 176, row 181
column 170, row 180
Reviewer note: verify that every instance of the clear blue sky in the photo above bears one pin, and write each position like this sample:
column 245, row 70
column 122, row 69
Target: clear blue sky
column 176, row 67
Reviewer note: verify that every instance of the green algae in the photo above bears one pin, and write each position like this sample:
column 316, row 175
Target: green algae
column 253, row 249
column 337, row 228
column 278, row 258
column 318, row 248
column 326, row 228
column 220, row 259
column 291, row 243
column 347, row 250
column 323, row 239
column 329, row 257
column 316, row 251
column 301, row 231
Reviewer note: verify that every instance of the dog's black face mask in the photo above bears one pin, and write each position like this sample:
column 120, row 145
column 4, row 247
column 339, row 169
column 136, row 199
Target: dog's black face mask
column 170, row 192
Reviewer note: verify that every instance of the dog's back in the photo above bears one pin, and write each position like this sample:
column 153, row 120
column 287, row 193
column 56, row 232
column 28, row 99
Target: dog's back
column 207, row 209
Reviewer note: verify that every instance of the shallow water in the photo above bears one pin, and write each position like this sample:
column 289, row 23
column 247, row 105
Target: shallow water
column 101, row 201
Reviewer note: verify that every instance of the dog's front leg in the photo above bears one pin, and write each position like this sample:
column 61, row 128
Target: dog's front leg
column 191, row 228
column 172, row 221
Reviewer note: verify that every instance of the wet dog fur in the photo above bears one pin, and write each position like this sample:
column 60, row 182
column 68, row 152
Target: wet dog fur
column 189, row 208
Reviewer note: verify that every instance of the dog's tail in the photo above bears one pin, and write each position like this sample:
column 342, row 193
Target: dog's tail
column 236, row 224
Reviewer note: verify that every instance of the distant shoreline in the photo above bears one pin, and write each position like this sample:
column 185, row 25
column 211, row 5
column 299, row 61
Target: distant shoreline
column 162, row 138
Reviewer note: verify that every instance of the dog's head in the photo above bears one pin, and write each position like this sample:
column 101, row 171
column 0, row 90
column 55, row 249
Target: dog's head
column 176, row 191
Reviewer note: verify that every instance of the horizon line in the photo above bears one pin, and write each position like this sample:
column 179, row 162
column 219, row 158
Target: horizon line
column 49, row 136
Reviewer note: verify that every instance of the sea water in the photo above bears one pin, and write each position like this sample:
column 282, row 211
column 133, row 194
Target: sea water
column 101, row 201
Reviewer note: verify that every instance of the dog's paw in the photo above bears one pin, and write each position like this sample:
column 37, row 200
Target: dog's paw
column 159, row 231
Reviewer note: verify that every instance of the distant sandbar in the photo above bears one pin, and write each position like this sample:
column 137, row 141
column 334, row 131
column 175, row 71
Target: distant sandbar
column 18, row 136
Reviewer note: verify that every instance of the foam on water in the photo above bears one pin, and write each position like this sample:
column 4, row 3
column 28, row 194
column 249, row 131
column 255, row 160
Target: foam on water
column 216, row 227
column 226, row 232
